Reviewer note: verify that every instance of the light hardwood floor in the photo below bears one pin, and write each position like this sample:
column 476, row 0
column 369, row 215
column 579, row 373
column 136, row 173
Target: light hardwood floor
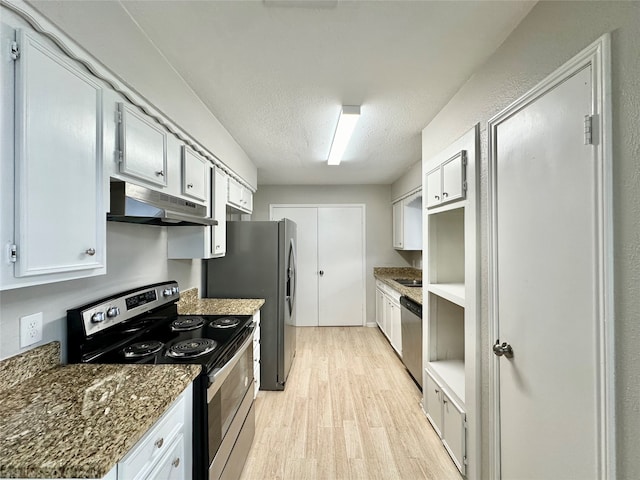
column 349, row 411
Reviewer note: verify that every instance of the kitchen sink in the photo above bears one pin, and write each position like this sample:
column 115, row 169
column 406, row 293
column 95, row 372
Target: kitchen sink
column 409, row 282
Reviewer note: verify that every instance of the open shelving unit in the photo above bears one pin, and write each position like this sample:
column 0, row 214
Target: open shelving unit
column 451, row 334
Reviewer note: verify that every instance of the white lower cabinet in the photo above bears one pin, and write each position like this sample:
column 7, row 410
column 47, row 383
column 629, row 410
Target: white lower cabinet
column 448, row 419
column 256, row 354
column 164, row 452
column 388, row 315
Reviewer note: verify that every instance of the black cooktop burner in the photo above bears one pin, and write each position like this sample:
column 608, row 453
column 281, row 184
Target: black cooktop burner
column 192, row 348
column 142, row 349
column 185, row 324
column 225, row 322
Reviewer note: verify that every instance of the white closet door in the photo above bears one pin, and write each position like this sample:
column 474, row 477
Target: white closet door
column 547, row 281
column 340, row 258
column 306, row 219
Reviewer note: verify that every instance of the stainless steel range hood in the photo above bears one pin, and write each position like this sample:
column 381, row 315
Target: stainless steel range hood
column 135, row 204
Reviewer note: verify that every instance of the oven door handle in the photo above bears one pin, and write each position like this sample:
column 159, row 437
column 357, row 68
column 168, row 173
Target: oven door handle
column 219, row 375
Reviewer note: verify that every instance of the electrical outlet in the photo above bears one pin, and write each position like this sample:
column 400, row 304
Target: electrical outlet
column 30, row 329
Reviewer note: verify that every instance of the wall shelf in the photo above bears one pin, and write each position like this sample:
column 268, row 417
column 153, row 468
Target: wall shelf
column 454, row 292
column 451, row 373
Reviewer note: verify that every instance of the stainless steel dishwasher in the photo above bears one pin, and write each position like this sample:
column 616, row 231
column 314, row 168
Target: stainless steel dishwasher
column 411, row 321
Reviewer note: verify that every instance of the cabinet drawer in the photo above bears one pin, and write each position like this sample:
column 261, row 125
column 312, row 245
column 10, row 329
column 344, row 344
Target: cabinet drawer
column 172, row 465
column 154, row 444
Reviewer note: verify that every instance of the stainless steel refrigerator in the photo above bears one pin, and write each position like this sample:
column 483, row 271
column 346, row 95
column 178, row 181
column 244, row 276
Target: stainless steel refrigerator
column 260, row 262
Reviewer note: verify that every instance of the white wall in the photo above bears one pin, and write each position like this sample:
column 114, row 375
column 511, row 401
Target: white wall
column 549, row 36
column 377, row 198
column 136, row 256
column 409, row 181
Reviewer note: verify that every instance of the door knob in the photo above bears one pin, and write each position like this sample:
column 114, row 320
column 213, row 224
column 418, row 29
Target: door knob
column 504, row 349
column 321, row 272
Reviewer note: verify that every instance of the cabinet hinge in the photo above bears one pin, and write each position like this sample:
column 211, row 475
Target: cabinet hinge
column 465, row 461
column 588, row 129
column 118, row 116
column 13, row 253
column 15, row 51
column 464, row 157
column 119, row 156
column 464, row 186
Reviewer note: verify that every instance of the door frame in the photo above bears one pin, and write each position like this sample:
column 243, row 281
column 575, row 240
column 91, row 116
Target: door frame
column 598, row 56
column 363, row 209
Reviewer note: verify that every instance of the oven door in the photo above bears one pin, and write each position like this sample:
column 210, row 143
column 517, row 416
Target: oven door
column 229, row 411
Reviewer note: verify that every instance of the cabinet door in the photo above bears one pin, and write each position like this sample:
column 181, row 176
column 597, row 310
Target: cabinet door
column 434, row 193
column 172, row 465
column 235, row 193
column 247, row 199
column 219, row 210
column 398, row 225
column 453, row 178
column 195, row 174
column 453, row 437
column 396, row 328
column 60, row 221
column 380, row 305
column 143, row 146
column 433, row 400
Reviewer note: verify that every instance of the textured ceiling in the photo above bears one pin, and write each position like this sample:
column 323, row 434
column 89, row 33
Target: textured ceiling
column 276, row 72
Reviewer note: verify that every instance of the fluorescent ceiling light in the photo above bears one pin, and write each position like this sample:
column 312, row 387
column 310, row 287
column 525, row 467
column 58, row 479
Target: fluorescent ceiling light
column 346, row 123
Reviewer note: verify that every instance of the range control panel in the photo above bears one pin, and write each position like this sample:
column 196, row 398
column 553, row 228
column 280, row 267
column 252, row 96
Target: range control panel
column 113, row 310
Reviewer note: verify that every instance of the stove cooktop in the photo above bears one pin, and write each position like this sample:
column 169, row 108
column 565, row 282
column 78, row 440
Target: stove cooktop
column 143, row 326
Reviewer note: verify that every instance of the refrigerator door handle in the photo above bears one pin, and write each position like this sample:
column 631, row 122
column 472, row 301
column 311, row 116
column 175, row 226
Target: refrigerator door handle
column 291, row 277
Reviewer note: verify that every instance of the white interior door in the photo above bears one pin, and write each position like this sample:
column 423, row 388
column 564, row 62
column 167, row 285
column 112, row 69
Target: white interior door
column 340, row 263
column 306, row 219
column 546, row 250
column 330, row 256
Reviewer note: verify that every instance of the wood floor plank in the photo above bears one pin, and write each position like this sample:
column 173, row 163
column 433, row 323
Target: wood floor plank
column 349, row 411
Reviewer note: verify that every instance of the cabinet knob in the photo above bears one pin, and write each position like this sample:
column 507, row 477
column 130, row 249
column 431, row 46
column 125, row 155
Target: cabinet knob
column 160, row 173
column 189, row 185
column 321, row 272
column 90, row 251
column 437, row 197
column 445, row 194
column 159, row 442
column 176, row 462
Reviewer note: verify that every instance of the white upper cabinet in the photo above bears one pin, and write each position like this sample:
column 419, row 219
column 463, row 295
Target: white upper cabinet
column 407, row 222
column 447, row 182
column 219, row 213
column 142, row 144
column 58, row 215
column 398, row 231
column 195, row 174
column 240, row 197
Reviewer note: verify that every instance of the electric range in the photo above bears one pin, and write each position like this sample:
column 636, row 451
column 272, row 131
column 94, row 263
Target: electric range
column 142, row 326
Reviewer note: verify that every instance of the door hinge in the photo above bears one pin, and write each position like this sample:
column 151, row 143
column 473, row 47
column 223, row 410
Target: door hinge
column 13, row 253
column 588, row 129
column 15, row 51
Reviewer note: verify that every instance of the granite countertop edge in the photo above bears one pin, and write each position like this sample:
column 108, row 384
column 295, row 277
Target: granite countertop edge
column 387, row 274
column 191, row 304
column 83, row 418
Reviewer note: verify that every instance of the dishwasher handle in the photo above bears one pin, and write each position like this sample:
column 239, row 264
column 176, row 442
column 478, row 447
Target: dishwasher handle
column 411, row 305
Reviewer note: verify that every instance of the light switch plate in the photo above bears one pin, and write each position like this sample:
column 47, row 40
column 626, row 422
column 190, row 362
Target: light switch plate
column 30, row 329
